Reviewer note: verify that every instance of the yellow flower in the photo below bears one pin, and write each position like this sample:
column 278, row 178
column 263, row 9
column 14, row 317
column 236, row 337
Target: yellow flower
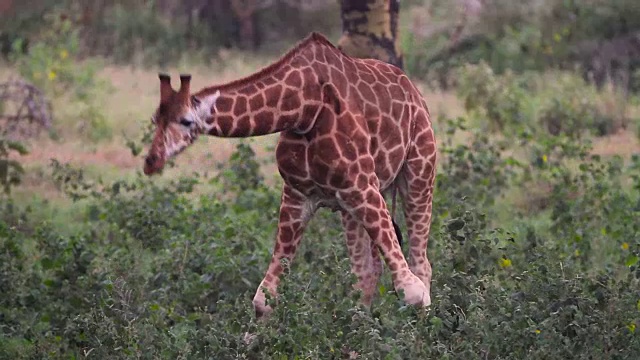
column 545, row 158
column 64, row 54
column 52, row 75
column 504, row 262
column 576, row 252
column 538, row 331
column 631, row 327
column 625, row 246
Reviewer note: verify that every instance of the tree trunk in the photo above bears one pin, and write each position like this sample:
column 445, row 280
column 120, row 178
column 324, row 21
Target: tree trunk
column 245, row 12
column 370, row 30
column 5, row 6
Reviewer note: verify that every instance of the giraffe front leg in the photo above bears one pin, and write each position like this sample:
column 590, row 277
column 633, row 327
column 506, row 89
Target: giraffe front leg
column 295, row 212
column 368, row 207
column 364, row 256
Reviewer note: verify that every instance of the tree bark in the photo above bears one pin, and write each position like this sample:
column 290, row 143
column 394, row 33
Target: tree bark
column 5, row 6
column 245, row 12
column 370, row 30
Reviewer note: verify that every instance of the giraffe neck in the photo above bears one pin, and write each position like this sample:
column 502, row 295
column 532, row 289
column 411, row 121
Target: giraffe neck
column 287, row 95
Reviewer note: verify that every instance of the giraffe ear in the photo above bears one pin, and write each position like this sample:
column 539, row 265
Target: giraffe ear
column 206, row 105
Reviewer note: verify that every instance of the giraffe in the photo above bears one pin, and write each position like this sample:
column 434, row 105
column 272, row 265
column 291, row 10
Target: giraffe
column 351, row 131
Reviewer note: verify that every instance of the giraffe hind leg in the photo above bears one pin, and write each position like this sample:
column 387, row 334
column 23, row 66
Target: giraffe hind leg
column 416, row 191
column 364, row 256
column 367, row 205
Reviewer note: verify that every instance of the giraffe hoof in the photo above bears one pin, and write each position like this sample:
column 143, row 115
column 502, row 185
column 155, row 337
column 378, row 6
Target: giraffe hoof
column 261, row 308
column 248, row 338
column 262, row 311
column 416, row 293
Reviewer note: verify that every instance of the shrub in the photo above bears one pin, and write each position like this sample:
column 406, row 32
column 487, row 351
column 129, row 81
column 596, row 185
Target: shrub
column 476, row 170
column 10, row 169
column 139, row 35
column 556, row 103
column 158, row 271
column 504, row 101
column 51, row 64
column 526, row 36
column 571, row 106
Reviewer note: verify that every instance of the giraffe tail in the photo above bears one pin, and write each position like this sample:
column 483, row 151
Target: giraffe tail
column 398, row 232
column 393, row 216
column 393, row 221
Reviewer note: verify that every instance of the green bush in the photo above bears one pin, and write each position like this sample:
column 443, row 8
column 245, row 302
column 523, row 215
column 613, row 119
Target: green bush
column 158, row 271
column 554, row 103
column 476, row 170
column 504, row 101
column 595, row 35
column 571, row 106
column 51, row 63
column 11, row 170
column 141, row 35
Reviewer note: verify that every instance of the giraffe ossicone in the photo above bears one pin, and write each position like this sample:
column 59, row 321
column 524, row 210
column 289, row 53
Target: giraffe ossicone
column 351, row 130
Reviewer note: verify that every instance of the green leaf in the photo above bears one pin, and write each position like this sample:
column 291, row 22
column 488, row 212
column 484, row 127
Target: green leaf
column 455, row 225
column 115, row 188
column 47, row 263
column 4, row 169
column 631, row 260
column 16, row 146
column 16, row 166
column 435, row 321
column 229, row 232
column 382, row 289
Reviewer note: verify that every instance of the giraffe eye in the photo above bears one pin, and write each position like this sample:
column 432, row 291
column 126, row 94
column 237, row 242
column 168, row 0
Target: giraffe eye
column 186, row 122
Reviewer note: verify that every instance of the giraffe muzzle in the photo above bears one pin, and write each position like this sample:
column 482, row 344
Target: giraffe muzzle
column 152, row 164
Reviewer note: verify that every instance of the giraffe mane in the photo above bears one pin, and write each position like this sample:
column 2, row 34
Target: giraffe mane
column 313, row 37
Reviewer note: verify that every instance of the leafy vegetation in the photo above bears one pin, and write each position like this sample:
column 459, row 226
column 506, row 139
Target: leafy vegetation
column 535, row 240
column 158, row 271
column 162, row 32
column 555, row 103
column 10, row 169
column 51, row 63
column 597, row 36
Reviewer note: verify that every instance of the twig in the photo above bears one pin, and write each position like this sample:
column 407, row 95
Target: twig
column 24, row 109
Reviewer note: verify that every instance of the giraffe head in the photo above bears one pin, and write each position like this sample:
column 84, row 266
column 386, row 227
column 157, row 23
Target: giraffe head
column 179, row 119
